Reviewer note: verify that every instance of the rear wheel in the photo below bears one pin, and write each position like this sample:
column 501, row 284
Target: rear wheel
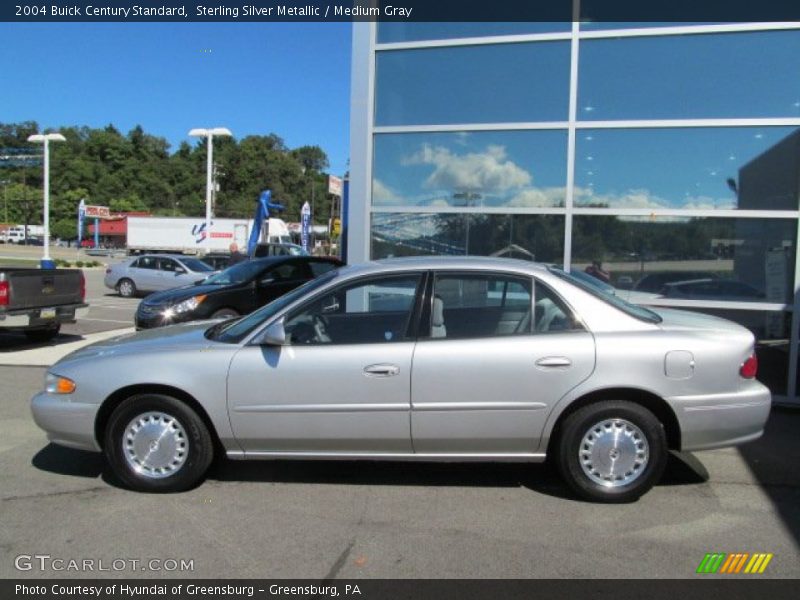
column 156, row 443
column 126, row 288
column 612, row 451
column 43, row 335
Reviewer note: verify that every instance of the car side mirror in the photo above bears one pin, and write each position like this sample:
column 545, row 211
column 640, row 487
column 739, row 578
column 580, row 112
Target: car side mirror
column 274, row 335
column 179, row 271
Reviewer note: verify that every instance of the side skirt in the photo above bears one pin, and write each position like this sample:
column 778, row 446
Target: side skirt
column 519, row 458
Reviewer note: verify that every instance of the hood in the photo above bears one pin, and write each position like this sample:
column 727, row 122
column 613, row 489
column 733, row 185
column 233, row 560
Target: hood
column 182, row 336
column 175, row 295
column 683, row 320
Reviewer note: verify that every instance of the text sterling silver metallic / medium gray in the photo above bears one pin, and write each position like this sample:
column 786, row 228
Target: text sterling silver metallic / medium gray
column 435, row 359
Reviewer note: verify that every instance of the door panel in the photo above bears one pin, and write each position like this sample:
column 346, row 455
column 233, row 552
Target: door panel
column 489, row 395
column 325, row 398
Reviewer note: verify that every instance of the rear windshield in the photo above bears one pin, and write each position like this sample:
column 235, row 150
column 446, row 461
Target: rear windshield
column 637, row 312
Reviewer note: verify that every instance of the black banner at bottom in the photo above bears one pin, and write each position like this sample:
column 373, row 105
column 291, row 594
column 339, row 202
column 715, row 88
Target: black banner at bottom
column 416, row 589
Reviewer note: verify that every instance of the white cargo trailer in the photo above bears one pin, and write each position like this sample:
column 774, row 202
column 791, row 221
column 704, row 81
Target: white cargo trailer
column 188, row 234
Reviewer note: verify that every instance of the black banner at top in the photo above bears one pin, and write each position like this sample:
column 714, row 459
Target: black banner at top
column 670, row 11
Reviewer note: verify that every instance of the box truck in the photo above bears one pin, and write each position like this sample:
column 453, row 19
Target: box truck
column 188, row 235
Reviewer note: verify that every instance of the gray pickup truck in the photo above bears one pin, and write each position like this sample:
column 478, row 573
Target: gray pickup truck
column 38, row 301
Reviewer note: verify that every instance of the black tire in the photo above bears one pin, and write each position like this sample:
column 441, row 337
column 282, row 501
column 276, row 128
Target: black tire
column 581, row 423
column 126, row 288
column 42, row 335
column 225, row 313
column 199, row 446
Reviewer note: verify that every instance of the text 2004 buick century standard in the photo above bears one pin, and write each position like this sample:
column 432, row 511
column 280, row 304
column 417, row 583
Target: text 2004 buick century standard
column 431, row 359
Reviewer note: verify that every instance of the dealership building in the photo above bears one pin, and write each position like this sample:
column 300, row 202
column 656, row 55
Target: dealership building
column 669, row 154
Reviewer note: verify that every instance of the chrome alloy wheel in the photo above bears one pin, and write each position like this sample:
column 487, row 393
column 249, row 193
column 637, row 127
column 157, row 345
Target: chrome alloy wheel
column 155, row 445
column 613, row 452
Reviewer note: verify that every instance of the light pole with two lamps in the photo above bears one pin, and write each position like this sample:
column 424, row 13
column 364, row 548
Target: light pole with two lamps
column 46, row 262
column 209, row 135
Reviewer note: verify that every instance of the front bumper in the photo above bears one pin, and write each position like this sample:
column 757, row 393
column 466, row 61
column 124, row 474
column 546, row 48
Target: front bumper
column 66, row 423
column 721, row 420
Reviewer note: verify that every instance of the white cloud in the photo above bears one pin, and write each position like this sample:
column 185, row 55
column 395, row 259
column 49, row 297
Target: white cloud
column 383, row 194
column 539, row 197
column 486, row 172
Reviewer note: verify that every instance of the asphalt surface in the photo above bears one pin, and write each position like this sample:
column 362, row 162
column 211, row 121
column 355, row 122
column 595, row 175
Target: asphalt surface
column 389, row 520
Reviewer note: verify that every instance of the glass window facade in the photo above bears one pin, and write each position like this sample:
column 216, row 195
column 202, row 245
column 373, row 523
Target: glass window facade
column 689, row 168
column 389, row 32
column 495, row 83
column 468, row 169
column 670, row 155
column 728, row 75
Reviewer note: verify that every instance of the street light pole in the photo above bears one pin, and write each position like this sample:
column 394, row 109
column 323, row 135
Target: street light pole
column 209, row 135
column 45, row 139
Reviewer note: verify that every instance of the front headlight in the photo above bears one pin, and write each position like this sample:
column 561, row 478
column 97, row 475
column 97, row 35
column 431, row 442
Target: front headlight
column 55, row 384
column 187, row 305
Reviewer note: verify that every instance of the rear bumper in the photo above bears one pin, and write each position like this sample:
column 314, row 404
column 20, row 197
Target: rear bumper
column 31, row 318
column 66, row 423
column 721, row 420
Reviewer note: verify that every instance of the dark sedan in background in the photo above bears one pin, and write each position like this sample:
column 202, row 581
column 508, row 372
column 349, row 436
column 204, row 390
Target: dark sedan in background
column 236, row 291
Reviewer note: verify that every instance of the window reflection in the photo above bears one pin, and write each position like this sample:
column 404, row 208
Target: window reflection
column 527, row 237
column 704, row 259
column 498, row 168
column 729, row 75
column 690, row 168
column 495, row 83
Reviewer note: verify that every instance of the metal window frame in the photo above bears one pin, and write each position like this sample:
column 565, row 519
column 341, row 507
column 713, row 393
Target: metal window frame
column 363, row 131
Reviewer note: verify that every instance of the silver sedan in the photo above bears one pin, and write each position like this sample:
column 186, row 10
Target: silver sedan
column 155, row 272
column 431, row 359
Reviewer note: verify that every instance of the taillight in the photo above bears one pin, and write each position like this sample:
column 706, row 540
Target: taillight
column 749, row 368
column 4, row 293
column 83, row 286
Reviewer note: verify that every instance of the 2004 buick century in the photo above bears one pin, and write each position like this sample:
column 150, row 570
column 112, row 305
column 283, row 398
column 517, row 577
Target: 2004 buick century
column 431, row 359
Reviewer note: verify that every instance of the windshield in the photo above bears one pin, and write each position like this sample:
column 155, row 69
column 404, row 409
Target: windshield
column 233, row 332
column 238, row 273
column 638, row 312
column 198, row 266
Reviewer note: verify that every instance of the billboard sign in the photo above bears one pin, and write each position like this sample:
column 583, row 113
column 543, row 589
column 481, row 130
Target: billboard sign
column 335, row 185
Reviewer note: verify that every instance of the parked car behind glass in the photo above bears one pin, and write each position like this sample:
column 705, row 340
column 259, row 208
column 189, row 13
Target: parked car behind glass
column 238, row 290
column 155, row 272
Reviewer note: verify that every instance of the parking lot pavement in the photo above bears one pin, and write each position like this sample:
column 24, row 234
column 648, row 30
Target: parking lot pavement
column 337, row 519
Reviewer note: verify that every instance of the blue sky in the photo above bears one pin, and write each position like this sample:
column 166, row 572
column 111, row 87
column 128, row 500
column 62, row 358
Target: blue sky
column 254, row 78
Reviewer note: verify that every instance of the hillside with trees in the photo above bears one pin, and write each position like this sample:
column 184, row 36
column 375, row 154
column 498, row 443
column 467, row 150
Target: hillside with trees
column 138, row 172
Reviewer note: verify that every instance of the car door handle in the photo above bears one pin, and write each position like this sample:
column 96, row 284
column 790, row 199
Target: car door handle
column 554, row 362
column 381, row 370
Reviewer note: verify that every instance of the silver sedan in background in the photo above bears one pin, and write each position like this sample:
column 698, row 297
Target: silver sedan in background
column 431, row 359
column 155, row 272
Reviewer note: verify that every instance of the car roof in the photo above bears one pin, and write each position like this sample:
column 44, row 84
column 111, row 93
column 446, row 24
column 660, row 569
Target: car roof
column 476, row 263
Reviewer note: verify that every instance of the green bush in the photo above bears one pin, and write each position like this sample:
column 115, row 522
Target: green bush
column 79, row 264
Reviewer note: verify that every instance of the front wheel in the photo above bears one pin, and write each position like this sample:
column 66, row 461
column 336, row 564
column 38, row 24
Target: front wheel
column 156, row 443
column 612, row 451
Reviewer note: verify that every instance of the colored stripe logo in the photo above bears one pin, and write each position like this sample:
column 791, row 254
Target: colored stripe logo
column 734, row 563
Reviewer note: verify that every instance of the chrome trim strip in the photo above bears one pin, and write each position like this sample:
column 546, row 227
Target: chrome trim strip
column 323, row 408
column 723, row 406
column 447, row 406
